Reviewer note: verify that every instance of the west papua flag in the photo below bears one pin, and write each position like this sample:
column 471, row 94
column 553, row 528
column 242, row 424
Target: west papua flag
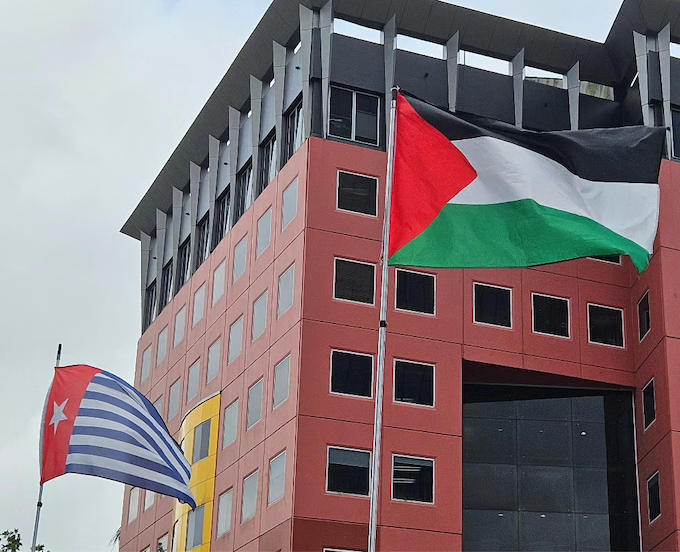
column 94, row 423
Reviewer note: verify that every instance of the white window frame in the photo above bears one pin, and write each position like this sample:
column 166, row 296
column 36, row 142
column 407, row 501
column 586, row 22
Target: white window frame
column 254, row 337
column 394, row 455
column 243, row 484
column 642, row 396
column 269, row 478
column 623, row 326
column 198, row 379
column 354, row 116
column 269, row 211
column 295, row 182
column 234, row 278
column 533, row 315
column 337, row 193
column 183, row 310
column 229, row 344
column 200, row 290
column 142, row 376
column 238, row 413
column 148, row 504
column 655, row 474
column 259, row 380
column 351, row 301
column 219, row 361
column 606, row 261
column 433, row 276
column 219, row 497
column 330, row 375
column 434, row 383
column 645, row 294
column 328, row 460
column 166, row 329
column 222, row 266
column 130, row 518
column 287, row 357
column 279, row 313
column 474, row 310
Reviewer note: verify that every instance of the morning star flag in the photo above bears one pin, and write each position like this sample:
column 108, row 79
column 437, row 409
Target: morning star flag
column 96, row 424
column 478, row 193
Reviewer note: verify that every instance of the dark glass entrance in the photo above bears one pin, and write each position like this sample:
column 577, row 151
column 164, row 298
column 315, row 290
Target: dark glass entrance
column 548, row 469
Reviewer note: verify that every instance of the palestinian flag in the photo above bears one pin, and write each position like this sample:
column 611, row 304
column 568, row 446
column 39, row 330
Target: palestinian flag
column 477, row 193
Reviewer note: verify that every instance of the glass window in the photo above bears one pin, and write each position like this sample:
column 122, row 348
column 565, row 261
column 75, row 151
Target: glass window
column 214, row 356
column 219, row 277
column 605, row 325
column 281, row 381
column 243, row 184
column 254, row 414
column 180, row 325
column 201, row 441
column 415, row 291
column 240, row 258
column 173, row 406
column 230, row 424
column 340, row 123
column 195, row 527
column 649, row 403
column 260, row 315
column 150, row 305
column 149, row 499
column 294, row 130
column 354, row 281
column 414, row 383
column 413, row 479
column 158, row 405
column 264, row 232
column 183, row 264
column 268, row 161
column 492, row 305
column 166, row 286
column 224, row 507
column 354, row 116
column 654, row 497
column 249, row 503
column 220, row 223
column 193, row 380
column 675, row 121
column 199, row 305
column 202, row 241
column 367, row 109
column 133, row 507
column 357, row 193
column 277, row 478
column 286, row 290
column 162, row 545
column 644, row 321
column 348, row 471
column 352, row 374
column 289, row 206
column 550, row 315
column 146, row 363
column 235, row 339
column 162, row 350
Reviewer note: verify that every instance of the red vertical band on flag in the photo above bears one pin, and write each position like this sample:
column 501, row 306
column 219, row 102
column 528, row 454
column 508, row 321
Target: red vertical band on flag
column 428, row 171
column 62, row 406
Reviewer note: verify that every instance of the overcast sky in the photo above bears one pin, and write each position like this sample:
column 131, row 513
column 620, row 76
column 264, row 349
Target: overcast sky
column 94, row 97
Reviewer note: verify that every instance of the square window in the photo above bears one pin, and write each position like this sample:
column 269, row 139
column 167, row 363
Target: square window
column 289, row 207
column 240, row 259
column 193, row 380
column 415, row 291
column 644, row 320
column 201, row 441
column 286, row 290
column 254, row 414
column 605, row 325
column 230, row 424
column 352, row 374
column 219, row 276
column 224, row 507
column 158, row 405
column 260, row 315
column 550, row 315
column 195, row 527
column 281, row 381
column 162, row 350
column 133, row 507
column 173, row 406
column 348, row 471
column 492, row 305
column 649, row 403
column 214, row 356
column 199, row 305
column 414, row 383
column 146, row 363
column 354, row 116
column 249, row 502
column 357, row 193
column 180, row 325
column 654, row 497
column 235, row 339
column 354, row 281
column 413, row 479
column 264, row 232
column 277, row 478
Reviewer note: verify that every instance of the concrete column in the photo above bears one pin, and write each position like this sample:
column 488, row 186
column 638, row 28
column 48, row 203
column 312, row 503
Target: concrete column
column 161, row 220
column 390, row 46
column 517, row 65
column 306, row 26
column 326, row 24
column 452, row 49
column 279, row 82
column 213, row 167
column 641, row 48
column 574, row 90
column 145, row 240
column 177, row 214
column 255, row 116
column 234, row 129
column 664, row 46
column 194, row 185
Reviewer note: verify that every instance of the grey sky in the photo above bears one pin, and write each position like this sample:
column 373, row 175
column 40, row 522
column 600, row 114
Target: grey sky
column 94, row 97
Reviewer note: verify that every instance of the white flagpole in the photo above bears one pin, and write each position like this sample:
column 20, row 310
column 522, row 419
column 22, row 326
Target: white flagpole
column 40, row 492
column 382, row 334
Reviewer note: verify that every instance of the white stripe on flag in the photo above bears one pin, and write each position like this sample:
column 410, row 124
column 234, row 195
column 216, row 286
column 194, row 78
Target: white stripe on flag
column 114, row 444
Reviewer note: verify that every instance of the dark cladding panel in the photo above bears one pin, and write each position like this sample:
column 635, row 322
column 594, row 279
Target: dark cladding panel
column 545, row 107
column 316, row 54
column 654, row 76
column 675, row 81
column 599, row 113
column 485, row 93
column 423, row 76
column 357, row 64
column 632, row 108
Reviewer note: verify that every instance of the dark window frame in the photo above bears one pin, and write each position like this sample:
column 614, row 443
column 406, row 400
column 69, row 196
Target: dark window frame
column 623, row 326
column 350, row 449
column 292, row 115
column 352, row 137
column 183, row 272
column 434, row 383
column 268, row 158
column 355, row 261
column 644, row 403
column 533, row 315
column 337, row 194
column 474, row 309
column 648, row 318
column 166, row 286
column 244, row 181
column 434, row 293
column 202, row 245
column 221, row 217
column 352, row 395
column 206, row 423
column 412, row 457
column 150, row 304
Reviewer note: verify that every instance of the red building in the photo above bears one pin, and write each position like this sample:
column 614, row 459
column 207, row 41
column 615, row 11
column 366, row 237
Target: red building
column 524, row 409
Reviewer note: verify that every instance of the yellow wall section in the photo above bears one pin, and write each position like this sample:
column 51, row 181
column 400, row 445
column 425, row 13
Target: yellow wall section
column 202, row 482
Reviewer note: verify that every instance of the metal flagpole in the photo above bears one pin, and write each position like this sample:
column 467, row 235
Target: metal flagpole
column 382, row 334
column 40, row 492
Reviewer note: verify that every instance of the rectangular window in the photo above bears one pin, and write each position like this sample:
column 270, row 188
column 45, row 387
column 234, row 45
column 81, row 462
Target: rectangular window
column 654, row 497
column 357, row 193
column 281, row 381
column 220, row 222
column 162, row 545
column 268, row 161
column 202, row 241
column 183, row 264
column 348, row 471
column 286, row 290
column 413, row 479
column 149, row 499
column 354, row 116
column 354, row 281
column 173, row 406
column 649, row 403
column 550, row 315
column 644, row 320
column 235, row 339
column 162, row 350
column 133, row 507
column 492, row 305
column 294, row 130
column 159, row 404
column 195, row 527
column 150, row 305
column 260, row 315
column 219, row 277
column 214, row 357
column 352, row 374
column 146, row 363
column 201, row 441
column 224, row 507
column 277, row 478
column 605, row 325
column 249, row 502
column 612, row 259
column 243, row 184
column 254, row 414
column 414, row 383
column 415, row 291
column 166, row 286
column 193, row 380
column 264, row 232
column 230, row 424
column 199, row 305
column 240, row 258
column 675, row 121
column 180, row 326
column 289, row 204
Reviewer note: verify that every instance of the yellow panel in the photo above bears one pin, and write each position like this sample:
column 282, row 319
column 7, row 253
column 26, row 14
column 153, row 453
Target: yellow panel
column 204, row 492
column 207, row 525
column 205, row 469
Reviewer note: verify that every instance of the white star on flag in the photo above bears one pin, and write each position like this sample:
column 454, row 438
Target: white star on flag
column 58, row 415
